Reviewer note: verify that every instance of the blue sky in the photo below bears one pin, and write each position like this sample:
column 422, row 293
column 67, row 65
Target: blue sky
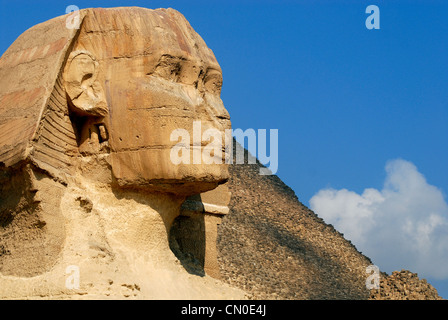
column 346, row 100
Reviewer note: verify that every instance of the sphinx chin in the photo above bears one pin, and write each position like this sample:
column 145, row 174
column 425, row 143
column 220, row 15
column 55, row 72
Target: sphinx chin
column 181, row 179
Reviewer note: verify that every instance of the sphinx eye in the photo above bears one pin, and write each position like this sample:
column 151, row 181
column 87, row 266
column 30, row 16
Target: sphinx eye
column 168, row 68
column 168, row 71
column 213, row 82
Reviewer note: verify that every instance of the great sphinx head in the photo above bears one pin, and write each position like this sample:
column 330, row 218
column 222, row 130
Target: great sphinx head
column 119, row 85
column 100, row 103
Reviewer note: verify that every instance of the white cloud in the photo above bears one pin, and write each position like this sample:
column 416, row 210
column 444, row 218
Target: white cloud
column 402, row 226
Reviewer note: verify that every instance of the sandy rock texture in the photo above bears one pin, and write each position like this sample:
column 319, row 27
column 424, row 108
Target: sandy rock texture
column 117, row 239
column 404, row 285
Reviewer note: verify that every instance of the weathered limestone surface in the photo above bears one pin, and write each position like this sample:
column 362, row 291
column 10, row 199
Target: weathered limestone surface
column 86, row 177
column 28, row 71
column 202, row 212
column 404, row 285
column 136, row 72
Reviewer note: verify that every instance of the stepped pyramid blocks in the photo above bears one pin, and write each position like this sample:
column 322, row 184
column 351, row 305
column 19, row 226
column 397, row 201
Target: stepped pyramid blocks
column 274, row 247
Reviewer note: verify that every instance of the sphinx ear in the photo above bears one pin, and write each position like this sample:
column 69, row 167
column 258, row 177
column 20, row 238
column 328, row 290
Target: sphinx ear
column 84, row 92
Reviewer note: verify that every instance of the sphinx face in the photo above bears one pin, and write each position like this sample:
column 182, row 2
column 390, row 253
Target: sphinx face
column 157, row 76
